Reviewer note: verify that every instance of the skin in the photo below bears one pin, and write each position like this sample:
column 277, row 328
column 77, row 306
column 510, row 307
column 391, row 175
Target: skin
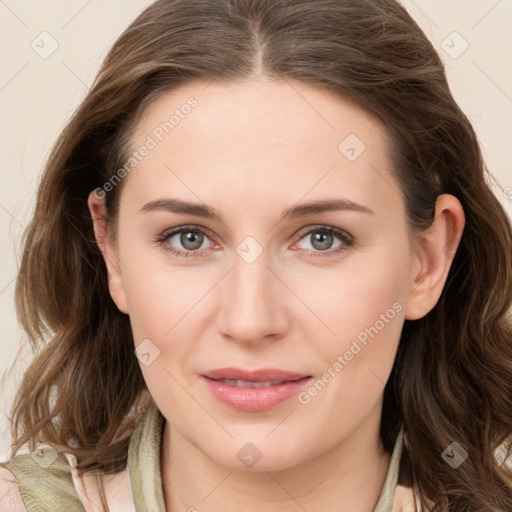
column 252, row 149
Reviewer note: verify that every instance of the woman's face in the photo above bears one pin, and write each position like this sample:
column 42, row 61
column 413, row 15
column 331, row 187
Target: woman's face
column 262, row 282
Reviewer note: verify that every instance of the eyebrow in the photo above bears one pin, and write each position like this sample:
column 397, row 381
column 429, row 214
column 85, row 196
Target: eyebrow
column 302, row 210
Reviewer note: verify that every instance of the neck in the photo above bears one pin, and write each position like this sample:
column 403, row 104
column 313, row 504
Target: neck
column 348, row 477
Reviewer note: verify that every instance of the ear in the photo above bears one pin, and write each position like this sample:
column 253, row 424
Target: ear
column 97, row 207
column 434, row 252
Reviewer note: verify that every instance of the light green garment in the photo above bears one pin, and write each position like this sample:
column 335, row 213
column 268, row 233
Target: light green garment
column 54, row 489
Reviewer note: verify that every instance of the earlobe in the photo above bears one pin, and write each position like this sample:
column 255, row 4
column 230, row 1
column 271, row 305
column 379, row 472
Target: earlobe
column 434, row 253
column 98, row 211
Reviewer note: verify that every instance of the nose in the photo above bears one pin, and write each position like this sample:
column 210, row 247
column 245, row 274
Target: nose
column 253, row 303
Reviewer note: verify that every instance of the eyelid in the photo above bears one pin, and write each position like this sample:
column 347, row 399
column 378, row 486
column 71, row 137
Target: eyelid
column 169, row 233
column 319, row 227
column 346, row 239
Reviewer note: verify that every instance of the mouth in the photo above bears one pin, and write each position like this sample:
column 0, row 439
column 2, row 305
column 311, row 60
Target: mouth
column 254, row 391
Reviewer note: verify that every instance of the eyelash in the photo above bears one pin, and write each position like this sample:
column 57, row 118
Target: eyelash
column 343, row 236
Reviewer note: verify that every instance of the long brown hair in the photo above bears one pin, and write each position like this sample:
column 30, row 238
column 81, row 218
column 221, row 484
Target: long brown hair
column 452, row 377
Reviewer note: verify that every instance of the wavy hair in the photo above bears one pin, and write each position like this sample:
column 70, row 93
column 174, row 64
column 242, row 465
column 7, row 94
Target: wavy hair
column 452, row 377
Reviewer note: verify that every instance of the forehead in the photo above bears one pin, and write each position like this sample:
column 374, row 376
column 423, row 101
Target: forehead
column 262, row 111
column 268, row 136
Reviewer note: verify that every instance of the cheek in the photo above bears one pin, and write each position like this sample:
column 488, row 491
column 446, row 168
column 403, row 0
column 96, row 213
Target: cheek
column 356, row 295
column 164, row 307
column 161, row 297
column 362, row 308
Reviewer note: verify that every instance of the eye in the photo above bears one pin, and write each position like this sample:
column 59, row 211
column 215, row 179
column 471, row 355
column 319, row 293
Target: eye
column 322, row 238
column 191, row 238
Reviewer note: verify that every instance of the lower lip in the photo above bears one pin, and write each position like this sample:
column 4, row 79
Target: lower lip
column 255, row 399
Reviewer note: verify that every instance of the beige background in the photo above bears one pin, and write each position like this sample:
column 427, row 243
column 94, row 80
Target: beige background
column 38, row 95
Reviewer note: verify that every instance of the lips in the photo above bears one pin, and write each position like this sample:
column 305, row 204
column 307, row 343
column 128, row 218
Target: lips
column 256, row 390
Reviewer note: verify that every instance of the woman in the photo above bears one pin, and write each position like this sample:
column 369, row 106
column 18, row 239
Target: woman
column 270, row 274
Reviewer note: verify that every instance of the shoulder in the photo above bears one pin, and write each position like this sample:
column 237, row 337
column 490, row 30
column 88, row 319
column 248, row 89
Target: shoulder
column 10, row 497
column 48, row 480
column 39, row 480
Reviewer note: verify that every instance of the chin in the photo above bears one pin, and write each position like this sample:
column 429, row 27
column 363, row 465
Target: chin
column 242, row 454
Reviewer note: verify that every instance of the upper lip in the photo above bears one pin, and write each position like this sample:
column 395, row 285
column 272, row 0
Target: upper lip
column 260, row 375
